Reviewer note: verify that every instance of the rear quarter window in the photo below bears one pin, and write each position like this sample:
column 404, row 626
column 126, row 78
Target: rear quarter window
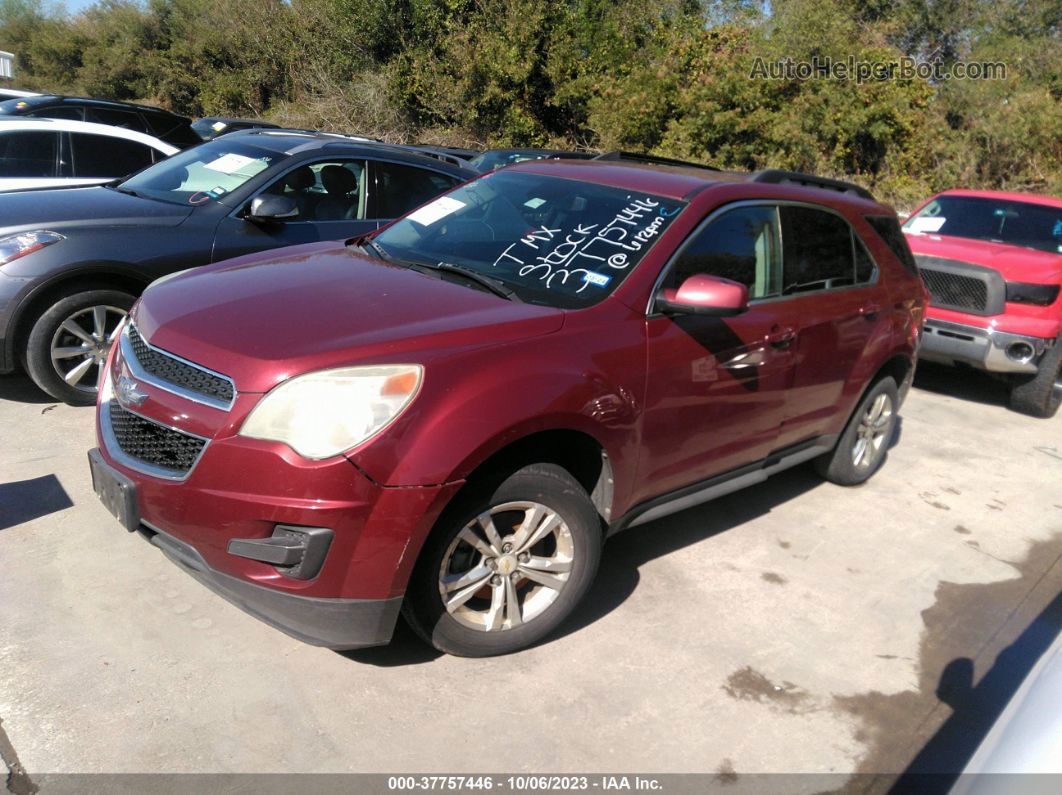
column 888, row 229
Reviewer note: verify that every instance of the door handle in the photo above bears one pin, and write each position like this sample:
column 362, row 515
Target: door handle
column 870, row 311
column 780, row 337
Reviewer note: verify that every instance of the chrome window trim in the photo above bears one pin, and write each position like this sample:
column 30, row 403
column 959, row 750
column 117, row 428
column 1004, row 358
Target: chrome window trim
column 138, row 372
column 776, row 203
column 126, row 460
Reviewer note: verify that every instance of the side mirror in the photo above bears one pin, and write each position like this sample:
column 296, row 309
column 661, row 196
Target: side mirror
column 701, row 294
column 272, row 208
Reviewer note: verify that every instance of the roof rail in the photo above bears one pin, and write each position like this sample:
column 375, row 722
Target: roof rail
column 637, row 157
column 776, row 176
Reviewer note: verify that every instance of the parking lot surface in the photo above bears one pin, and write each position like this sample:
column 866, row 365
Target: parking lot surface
column 794, row 627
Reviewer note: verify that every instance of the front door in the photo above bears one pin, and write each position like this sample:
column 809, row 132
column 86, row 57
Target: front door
column 717, row 387
column 331, row 197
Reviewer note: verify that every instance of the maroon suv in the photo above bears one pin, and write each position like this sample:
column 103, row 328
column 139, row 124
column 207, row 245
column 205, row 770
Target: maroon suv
column 446, row 419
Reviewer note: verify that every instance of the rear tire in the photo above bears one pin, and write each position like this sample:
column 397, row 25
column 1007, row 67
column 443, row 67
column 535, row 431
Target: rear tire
column 72, row 338
column 861, row 449
column 1041, row 395
column 511, row 564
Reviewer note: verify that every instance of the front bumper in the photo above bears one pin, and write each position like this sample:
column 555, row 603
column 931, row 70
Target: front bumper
column 984, row 348
column 333, row 623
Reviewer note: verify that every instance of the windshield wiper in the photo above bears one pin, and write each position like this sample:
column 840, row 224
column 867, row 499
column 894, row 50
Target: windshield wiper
column 494, row 285
column 127, row 191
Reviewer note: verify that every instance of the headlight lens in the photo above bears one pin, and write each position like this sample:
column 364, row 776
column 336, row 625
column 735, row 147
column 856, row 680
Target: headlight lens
column 1038, row 294
column 14, row 246
column 323, row 414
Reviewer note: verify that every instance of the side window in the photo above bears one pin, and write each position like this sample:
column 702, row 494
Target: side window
column 59, row 112
column 28, row 153
column 889, row 229
column 116, row 118
column 740, row 245
column 401, row 188
column 104, row 156
column 864, row 265
column 817, row 251
column 328, row 191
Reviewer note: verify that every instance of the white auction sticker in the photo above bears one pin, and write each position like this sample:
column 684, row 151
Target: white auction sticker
column 440, row 208
column 229, row 164
column 927, row 224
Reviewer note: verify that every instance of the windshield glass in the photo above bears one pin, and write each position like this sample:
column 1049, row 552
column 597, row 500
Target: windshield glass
column 996, row 220
column 554, row 241
column 13, row 105
column 203, row 173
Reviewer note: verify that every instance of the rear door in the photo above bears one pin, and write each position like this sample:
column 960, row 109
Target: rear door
column 832, row 300
column 99, row 158
column 717, row 388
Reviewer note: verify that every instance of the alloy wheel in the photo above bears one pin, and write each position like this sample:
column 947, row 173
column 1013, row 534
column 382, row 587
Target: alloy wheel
column 506, row 566
column 874, row 427
column 80, row 346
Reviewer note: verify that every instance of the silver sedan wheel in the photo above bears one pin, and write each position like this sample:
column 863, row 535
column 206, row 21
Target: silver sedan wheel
column 506, row 566
column 81, row 343
column 874, row 427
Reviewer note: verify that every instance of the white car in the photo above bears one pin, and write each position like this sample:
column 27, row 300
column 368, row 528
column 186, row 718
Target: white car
column 43, row 153
column 16, row 93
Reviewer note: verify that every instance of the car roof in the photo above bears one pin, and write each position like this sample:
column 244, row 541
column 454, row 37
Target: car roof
column 1029, row 198
column 682, row 181
column 70, row 125
column 293, row 142
column 235, row 120
column 44, row 99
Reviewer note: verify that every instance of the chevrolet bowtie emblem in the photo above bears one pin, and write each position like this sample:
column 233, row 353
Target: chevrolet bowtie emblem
column 128, row 393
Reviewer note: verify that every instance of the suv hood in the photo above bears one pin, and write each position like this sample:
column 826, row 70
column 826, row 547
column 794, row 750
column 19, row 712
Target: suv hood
column 68, row 208
column 265, row 318
column 1015, row 263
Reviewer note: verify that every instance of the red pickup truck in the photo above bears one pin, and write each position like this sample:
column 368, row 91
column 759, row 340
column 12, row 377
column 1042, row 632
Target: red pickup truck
column 992, row 263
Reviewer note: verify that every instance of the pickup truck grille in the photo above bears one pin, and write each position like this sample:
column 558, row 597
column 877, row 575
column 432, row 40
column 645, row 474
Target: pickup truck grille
column 181, row 374
column 152, row 443
column 953, row 290
column 962, row 286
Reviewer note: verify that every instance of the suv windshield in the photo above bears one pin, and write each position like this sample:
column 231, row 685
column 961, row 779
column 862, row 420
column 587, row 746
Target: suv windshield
column 995, row 220
column 554, row 241
column 202, row 174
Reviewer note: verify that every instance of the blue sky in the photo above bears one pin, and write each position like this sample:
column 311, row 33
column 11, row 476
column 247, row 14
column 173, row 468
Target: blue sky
column 77, row 5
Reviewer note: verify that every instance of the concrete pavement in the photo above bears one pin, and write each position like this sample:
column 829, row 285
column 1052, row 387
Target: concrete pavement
column 795, row 626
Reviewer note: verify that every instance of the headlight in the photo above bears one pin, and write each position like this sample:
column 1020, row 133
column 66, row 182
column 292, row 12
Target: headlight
column 1038, row 294
column 14, row 246
column 323, row 414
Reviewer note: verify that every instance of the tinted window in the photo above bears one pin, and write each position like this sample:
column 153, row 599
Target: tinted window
column 401, row 188
column 741, row 245
column 864, row 265
column 116, row 118
column 816, row 250
column 29, row 153
column 103, row 156
column 328, row 191
column 558, row 242
column 161, row 124
column 995, row 220
column 888, row 227
column 75, row 114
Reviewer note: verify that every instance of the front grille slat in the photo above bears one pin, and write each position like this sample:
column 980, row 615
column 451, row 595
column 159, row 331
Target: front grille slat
column 152, row 443
column 180, row 374
column 953, row 290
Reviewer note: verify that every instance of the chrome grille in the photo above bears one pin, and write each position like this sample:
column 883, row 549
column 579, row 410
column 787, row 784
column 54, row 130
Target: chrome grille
column 178, row 373
column 953, row 290
column 152, row 443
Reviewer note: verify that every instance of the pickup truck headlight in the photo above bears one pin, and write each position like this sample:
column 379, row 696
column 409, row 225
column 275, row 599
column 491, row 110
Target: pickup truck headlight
column 14, row 246
column 323, row 414
column 1039, row 294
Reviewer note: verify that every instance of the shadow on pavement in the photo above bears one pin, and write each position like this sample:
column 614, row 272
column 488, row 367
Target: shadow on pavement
column 405, row 648
column 964, row 383
column 23, row 500
column 18, row 387
column 975, row 708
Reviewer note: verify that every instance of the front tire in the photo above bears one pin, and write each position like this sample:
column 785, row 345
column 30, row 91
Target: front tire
column 507, row 568
column 69, row 343
column 1041, row 395
column 861, row 449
